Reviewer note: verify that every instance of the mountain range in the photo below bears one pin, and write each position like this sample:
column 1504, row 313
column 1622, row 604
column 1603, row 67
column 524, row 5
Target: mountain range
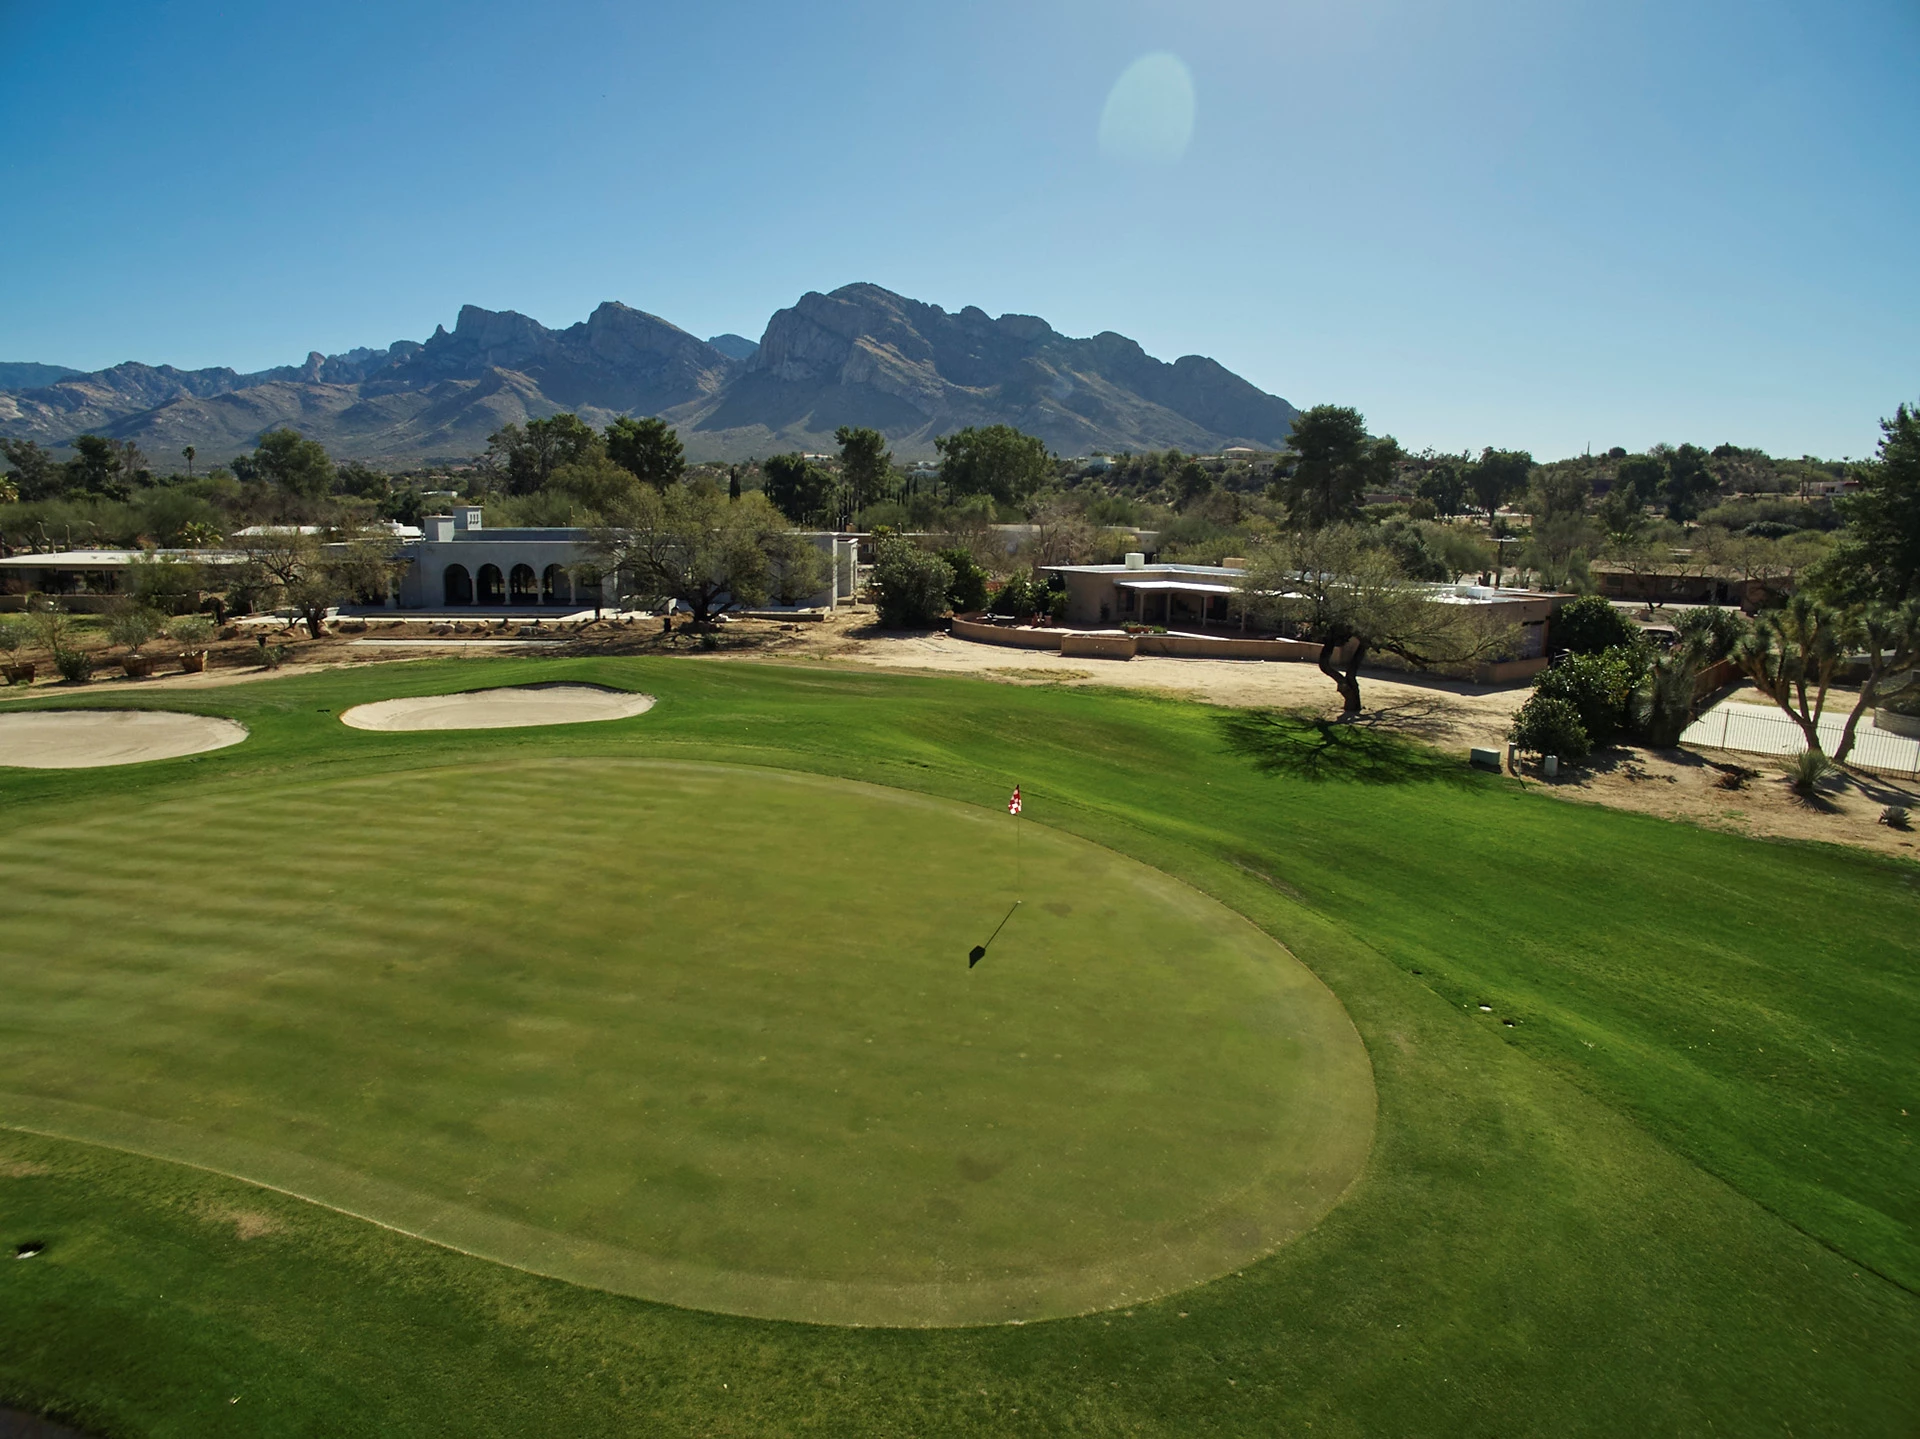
column 861, row 355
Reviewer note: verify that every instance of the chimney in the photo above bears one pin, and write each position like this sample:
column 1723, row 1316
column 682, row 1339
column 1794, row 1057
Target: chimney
column 438, row 529
column 466, row 517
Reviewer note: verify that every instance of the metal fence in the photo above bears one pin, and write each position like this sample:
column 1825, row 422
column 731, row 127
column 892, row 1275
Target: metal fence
column 1751, row 729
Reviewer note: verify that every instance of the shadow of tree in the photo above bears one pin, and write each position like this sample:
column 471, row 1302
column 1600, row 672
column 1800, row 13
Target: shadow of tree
column 1307, row 746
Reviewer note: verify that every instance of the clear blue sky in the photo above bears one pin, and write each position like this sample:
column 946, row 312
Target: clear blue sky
column 1501, row 222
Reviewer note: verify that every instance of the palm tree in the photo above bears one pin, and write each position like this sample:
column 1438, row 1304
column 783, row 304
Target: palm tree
column 188, row 452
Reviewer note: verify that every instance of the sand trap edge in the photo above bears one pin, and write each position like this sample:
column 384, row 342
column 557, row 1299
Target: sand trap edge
column 193, row 734
column 505, row 707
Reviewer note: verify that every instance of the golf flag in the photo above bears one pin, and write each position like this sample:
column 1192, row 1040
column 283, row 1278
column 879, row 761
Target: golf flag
column 1013, row 805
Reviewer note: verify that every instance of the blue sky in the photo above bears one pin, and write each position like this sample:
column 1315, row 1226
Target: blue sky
column 1491, row 222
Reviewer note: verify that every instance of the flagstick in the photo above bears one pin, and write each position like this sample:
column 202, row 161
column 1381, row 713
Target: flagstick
column 1019, row 883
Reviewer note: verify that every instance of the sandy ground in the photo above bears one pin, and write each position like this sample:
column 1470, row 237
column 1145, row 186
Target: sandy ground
column 88, row 739
column 500, row 709
column 1442, row 711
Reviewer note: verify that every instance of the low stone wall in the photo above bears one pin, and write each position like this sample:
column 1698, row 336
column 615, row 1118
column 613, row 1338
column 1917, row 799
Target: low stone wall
column 1114, row 644
column 1502, row 672
column 1019, row 637
column 1098, row 647
column 1220, row 647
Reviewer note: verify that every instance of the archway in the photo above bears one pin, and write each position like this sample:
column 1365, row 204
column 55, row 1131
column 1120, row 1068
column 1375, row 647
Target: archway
column 459, row 585
column 522, row 589
column 556, row 586
column 492, row 589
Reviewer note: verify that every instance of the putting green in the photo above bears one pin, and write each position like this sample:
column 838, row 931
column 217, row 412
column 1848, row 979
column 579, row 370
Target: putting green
column 696, row 1033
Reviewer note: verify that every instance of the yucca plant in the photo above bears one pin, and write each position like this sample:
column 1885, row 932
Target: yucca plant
column 1805, row 770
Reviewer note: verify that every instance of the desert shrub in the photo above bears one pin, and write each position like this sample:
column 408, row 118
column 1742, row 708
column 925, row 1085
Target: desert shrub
column 13, row 636
column 1589, row 626
column 968, row 592
column 909, row 585
column 1546, row 725
column 51, row 628
column 193, row 631
column 1806, row 770
column 1019, row 596
column 75, row 666
column 1057, row 606
column 133, row 627
column 1599, row 687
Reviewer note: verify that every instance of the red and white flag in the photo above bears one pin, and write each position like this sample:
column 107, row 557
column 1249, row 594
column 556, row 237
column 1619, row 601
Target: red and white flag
column 1013, row 805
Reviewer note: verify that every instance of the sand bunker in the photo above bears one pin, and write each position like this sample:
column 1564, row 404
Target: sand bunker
column 500, row 709
column 87, row 739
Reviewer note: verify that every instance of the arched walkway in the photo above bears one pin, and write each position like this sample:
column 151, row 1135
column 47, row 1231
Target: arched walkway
column 522, row 589
column 556, row 586
column 493, row 590
column 459, row 585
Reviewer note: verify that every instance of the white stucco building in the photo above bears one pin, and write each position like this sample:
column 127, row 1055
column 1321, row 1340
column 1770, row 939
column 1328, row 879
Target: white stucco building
column 458, row 563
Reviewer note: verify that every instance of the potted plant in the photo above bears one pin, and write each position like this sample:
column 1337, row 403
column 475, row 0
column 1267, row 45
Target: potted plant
column 191, row 632
column 13, row 635
column 133, row 628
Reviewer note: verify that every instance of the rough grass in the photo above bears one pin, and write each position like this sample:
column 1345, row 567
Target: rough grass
column 1675, row 1197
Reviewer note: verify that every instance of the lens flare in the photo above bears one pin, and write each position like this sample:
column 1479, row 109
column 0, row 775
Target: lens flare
column 1148, row 116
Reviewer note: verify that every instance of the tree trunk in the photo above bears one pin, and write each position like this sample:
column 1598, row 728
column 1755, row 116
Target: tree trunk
column 1347, row 680
column 1869, row 692
column 316, row 620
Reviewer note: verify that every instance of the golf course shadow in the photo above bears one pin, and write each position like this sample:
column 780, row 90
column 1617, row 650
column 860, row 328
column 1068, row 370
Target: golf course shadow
column 1312, row 747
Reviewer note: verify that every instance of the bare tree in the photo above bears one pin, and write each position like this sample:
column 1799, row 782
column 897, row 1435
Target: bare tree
column 1062, row 534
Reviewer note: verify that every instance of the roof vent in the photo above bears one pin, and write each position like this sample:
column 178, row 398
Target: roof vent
column 1135, row 560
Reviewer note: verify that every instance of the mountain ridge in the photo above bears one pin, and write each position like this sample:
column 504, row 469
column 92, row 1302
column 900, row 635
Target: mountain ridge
column 859, row 355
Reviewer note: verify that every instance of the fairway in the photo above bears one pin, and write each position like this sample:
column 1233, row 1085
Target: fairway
column 697, row 1033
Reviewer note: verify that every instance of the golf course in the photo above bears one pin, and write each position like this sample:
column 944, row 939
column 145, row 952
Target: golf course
column 631, row 1077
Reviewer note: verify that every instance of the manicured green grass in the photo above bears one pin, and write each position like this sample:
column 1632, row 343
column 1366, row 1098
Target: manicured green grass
column 679, row 1043
column 1675, row 1197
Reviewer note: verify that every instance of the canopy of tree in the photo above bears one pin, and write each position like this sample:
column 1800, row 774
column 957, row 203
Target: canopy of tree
column 1329, row 465
column 1336, row 587
column 522, row 459
column 995, row 460
column 648, row 449
column 690, row 543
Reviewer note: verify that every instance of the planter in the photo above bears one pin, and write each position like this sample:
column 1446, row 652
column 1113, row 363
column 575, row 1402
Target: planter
column 138, row 667
column 1893, row 722
column 193, row 663
column 19, row 674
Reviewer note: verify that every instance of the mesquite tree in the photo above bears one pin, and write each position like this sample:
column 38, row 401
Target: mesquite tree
column 1353, row 598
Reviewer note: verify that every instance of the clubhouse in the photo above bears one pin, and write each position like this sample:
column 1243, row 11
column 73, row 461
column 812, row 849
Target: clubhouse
column 459, row 564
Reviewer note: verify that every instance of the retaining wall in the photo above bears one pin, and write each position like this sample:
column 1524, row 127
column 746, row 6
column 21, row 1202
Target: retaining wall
column 1220, row 647
column 1098, row 647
